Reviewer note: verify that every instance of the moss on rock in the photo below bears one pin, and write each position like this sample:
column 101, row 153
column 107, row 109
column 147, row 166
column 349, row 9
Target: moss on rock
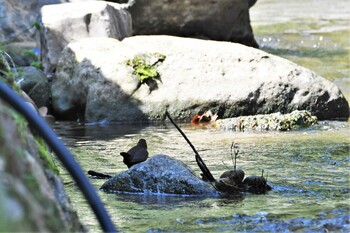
column 144, row 66
column 6, row 74
column 30, row 200
column 276, row 121
column 45, row 155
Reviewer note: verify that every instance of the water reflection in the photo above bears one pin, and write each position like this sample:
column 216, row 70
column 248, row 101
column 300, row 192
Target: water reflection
column 81, row 132
column 160, row 201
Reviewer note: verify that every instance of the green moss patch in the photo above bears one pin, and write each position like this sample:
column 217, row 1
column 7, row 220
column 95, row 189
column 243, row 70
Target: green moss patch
column 6, row 74
column 275, row 121
column 145, row 66
column 45, row 155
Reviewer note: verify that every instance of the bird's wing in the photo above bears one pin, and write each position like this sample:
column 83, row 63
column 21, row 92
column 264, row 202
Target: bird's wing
column 140, row 155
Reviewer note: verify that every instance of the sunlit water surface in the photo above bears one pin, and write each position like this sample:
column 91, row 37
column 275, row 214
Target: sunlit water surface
column 308, row 169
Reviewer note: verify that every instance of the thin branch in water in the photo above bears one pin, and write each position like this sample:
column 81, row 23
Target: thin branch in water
column 199, row 160
column 234, row 154
column 227, row 167
column 233, row 160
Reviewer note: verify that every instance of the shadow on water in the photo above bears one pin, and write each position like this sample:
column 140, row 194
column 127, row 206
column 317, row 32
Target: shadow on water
column 170, row 201
column 81, row 132
column 160, row 201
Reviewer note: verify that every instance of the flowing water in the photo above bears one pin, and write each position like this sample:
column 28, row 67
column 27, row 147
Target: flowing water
column 308, row 169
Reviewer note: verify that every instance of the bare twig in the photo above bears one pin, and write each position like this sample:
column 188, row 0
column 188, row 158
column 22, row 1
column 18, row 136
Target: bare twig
column 227, row 167
column 234, row 154
column 232, row 158
column 99, row 175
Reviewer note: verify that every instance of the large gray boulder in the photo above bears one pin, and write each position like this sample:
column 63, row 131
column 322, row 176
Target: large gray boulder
column 100, row 80
column 160, row 174
column 226, row 20
column 69, row 22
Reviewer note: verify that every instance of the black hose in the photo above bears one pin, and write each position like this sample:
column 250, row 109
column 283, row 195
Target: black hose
column 63, row 154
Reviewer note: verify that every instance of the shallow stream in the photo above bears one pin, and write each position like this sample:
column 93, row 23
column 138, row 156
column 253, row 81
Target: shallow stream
column 308, row 169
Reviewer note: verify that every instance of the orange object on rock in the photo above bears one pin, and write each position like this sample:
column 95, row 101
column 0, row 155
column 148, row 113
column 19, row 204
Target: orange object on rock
column 206, row 117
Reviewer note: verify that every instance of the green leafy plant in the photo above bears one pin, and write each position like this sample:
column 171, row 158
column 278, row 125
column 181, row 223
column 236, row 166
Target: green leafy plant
column 36, row 64
column 7, row 75
column 32, row 55
column 145, row 66
column 37, row 25
column 45, row 155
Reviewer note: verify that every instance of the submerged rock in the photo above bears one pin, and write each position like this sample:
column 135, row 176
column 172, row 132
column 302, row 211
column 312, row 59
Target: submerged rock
column 276, row 121
column 256, row 184
column 337, row 220
column 160, row 174
column 231, row 183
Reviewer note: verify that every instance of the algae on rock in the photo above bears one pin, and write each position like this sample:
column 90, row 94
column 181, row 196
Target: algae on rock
column 32, row 198
column 275, row 121
column 6, row 74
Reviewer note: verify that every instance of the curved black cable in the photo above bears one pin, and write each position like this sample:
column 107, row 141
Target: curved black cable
column 63, row 154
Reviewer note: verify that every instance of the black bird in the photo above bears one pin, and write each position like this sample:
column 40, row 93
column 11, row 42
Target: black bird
column 136, row 154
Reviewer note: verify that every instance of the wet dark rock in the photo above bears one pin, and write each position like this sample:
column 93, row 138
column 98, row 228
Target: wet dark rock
column 337, row 220
column 237, row 175
column 160, row 174
column 256, row 184
column 231, row 183
column 34, row 82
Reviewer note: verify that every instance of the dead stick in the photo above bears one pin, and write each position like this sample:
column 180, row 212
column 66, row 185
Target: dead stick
column 199, row 160
column 99, row 175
